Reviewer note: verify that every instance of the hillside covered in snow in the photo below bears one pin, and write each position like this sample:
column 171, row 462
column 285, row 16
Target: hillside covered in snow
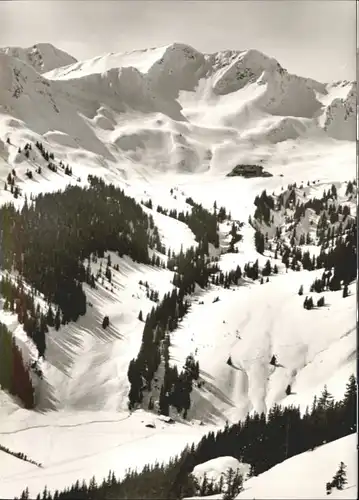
column 303, row 476
column 146, row 297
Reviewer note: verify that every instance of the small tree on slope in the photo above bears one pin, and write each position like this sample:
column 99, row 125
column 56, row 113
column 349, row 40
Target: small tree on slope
column 340, row 478
column 105, row 322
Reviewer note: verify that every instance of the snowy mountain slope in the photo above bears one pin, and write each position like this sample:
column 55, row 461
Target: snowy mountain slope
column 151, row 122
column 305, row 475
column 84, row 347
column 43, row 57
column 340, row 119
column 302, row 476
column 248, row 327
column 87, row 105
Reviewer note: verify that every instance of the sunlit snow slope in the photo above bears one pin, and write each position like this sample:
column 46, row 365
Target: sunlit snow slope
column 302, row 476
column 305, row 475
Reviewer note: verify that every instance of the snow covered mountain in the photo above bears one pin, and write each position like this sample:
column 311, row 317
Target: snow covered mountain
column 169, row 107
column 167, row 125
column 42, row 57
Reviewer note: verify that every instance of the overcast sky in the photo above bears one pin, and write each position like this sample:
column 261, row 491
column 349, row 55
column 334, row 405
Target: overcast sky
column 313, row 38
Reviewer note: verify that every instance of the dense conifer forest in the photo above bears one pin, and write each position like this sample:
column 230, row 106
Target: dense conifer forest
column 261, row 441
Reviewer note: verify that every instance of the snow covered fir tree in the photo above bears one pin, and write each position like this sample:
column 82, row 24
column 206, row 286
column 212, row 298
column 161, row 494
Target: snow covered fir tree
column 178, row 265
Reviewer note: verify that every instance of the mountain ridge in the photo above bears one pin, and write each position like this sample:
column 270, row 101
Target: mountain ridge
column 172, row 97
column 41, row 56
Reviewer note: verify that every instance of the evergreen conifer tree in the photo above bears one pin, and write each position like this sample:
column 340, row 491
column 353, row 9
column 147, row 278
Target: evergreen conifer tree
column 105, row 322
column 340, row 478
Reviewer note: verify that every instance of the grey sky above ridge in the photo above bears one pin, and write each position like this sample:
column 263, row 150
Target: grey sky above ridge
column 312, row 38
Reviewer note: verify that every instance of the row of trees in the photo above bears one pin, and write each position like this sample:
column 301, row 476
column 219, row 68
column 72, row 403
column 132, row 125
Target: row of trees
column 260, row 440
column 15, row 378
column 228, row 278
column 20, row 455
column 47, row 156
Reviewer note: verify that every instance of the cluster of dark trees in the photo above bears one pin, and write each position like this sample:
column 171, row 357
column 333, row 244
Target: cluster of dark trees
column 22, row 303
column 191, row 267
column 15, row 378
column 341, row 258
column 47, row 156
column 309, row 304
column 194, row 267
column 333, row 223
column 163, row 319
column 264, row 204
column 221, row 212
column 10, row 180
column 318, row 205
column 326, row 206
column 260, row 440
column 227, row 279
column 48, row 240
column 339, row 262
column 67, row 169
column 50, row 156
column 336, row 232
column 177, row 387
column 11, row 176
column 202, row 223
column 19, row 455
column 150, row 293
column 235, row 237
column 252, row 270
column 26, row 150
column 229, row 484
column 44, row 153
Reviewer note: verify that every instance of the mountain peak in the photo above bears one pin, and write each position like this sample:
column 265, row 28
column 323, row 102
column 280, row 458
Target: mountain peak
column 42, row 57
